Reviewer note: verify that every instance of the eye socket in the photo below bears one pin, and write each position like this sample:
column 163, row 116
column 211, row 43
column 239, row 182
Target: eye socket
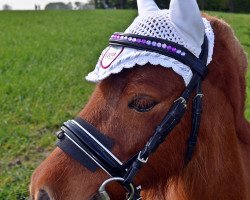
column 142, row 103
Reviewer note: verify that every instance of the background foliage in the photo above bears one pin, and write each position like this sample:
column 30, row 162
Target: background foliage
column 44, row 57
column 213, row 5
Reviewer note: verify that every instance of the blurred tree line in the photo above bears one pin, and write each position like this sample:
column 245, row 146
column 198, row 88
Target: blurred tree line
column 215, row 5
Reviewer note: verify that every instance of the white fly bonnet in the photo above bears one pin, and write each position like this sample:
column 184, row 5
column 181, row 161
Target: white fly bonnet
column 181, row 24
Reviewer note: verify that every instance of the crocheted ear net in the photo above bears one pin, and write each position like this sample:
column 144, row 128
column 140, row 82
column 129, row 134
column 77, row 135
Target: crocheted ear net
column 154, row 24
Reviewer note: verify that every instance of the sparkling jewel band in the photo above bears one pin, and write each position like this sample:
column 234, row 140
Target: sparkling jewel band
column 149, row 43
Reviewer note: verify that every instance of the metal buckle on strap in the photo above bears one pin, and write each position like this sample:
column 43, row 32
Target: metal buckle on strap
column 183, row 101
column 59, row 134
column 142, row 160
column 199, row 95
column 103, row 195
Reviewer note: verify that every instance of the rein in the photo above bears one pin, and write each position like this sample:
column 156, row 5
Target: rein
column 92, row 149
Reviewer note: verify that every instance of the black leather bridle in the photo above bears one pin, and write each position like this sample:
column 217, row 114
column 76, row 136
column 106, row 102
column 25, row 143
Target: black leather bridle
column 92, row 149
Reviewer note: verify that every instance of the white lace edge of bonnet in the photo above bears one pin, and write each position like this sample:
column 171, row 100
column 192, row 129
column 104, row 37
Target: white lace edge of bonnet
column 132, row 57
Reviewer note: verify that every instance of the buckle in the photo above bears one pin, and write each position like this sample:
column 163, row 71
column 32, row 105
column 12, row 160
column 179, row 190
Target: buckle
column 59, row 134
column 103, row 195
column 199, row 95
column 183, row 101
column 142, row 160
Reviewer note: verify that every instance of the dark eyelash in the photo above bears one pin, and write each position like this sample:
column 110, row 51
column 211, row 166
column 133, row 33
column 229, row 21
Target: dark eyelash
column 142, row 104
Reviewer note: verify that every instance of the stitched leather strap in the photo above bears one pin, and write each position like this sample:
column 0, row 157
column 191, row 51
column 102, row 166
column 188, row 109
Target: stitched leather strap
column 189, row 59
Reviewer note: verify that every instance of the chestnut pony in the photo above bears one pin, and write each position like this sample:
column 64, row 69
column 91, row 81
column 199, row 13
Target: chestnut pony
column 220, row 167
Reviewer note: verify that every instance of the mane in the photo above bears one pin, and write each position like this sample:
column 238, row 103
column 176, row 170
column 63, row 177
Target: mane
column 229, row 65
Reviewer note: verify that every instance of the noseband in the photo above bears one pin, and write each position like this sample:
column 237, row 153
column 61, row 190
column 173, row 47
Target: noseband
column 92, row 149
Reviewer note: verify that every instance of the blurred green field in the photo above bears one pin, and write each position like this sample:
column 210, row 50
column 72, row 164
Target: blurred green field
column 44, row 57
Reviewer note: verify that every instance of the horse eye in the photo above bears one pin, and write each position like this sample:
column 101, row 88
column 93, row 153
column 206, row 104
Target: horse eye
column 142, row 104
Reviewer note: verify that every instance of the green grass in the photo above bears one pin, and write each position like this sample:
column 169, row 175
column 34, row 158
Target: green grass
column 44, row 57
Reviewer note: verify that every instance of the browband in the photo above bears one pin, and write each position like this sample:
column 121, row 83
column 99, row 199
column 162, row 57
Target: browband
column 164, row 47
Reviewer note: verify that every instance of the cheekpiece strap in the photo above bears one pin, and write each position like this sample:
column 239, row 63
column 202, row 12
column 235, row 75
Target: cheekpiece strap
column 161, row 46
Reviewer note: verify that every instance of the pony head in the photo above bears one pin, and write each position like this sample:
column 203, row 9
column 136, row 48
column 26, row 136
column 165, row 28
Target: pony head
column 135, row 90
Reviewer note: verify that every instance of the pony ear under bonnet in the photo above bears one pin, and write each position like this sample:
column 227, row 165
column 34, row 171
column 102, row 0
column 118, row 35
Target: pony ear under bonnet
column 181, row 24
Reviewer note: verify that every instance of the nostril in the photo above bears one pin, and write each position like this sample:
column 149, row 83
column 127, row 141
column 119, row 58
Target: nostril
column 43, row 195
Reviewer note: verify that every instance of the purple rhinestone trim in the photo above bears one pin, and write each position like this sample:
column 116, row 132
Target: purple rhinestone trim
column 138, row 40
column 178, row 51
column 173, row 49
column 164, row 46
column 149, row 43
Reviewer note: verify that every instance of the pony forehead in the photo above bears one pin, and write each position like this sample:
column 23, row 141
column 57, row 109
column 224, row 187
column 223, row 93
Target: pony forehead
column 155, row 24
